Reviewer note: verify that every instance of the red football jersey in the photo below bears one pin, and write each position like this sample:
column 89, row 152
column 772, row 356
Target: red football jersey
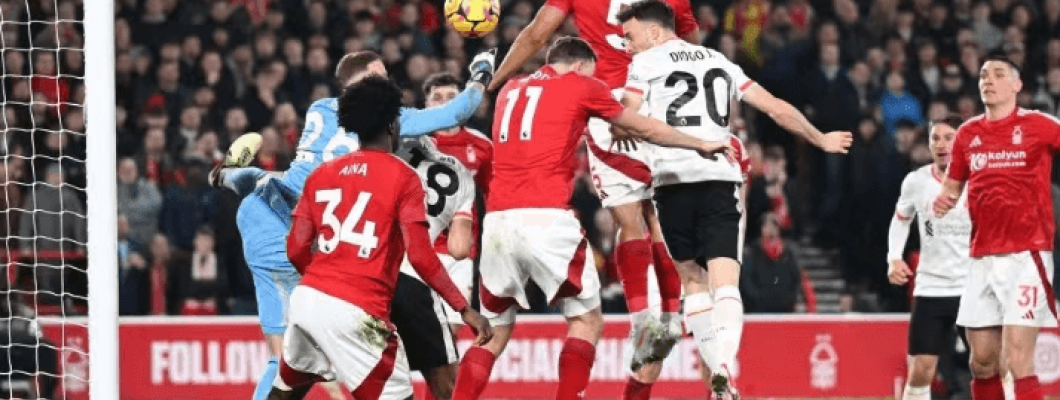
column 538, row 122
column 472, row 148
column 597, row 22
column 1007, row 165
column 357, row 203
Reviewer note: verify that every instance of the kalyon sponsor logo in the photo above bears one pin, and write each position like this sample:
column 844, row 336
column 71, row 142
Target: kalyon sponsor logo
column 998, row 159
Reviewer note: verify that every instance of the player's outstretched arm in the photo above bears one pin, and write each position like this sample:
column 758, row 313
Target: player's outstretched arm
column 529, row 41
column 790, row 118
column 419, row 122
column 656, row 132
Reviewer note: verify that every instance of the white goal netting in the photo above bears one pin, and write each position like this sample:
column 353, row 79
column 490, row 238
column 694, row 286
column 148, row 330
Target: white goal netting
column 43, row 292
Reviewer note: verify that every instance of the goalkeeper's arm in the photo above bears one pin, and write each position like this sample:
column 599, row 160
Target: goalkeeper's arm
column 419, row 122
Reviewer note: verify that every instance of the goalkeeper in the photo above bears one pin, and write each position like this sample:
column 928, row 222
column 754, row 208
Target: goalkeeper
column 264, row 216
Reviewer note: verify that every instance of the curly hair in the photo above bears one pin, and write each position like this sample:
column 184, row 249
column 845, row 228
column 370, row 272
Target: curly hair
column 369, row 107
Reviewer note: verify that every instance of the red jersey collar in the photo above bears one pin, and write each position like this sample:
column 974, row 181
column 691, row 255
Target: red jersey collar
column 1004, row 119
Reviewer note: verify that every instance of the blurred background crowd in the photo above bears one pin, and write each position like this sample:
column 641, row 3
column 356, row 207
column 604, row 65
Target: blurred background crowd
column 193, row 75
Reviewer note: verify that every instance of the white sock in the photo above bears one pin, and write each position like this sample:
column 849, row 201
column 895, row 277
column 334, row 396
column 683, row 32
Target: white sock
column 917, row 392
column 728, row 325
column 699, row 308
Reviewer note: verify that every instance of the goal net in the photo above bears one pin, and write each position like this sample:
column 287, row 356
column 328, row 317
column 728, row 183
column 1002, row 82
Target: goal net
column 58, row 293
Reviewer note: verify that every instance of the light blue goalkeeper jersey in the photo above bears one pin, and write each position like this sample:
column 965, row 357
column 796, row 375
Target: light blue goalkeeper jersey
column 323, row 139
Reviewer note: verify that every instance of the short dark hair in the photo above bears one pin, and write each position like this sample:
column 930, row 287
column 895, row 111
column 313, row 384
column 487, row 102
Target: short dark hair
column 369, row 107
column 568, row 50
column 353, row 64
column 905, row 123
column 438, row 80
column 1001, row 57
column 649, row 11
column 952, row 120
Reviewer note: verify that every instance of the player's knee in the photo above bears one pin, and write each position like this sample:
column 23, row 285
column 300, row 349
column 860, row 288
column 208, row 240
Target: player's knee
column 983, row 365
column 588, row 326
column 1020, row 363
column 693, row 277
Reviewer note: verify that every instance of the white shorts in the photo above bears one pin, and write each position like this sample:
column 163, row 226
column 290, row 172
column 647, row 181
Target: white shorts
column 1010, row 289
column 620, row 177
column 349, row 346
column 462, row 273
column 545, row 245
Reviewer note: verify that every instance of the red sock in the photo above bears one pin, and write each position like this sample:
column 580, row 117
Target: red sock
column 666, row 274
column 1028, row 388
column 474, row 373
column 636, row 390
column 575, row 363
column 988, row 388
column 632, row 258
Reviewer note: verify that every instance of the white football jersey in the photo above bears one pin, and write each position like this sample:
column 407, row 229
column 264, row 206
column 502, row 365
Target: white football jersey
column 449, row 185
column 944, row 257
column 690, row 88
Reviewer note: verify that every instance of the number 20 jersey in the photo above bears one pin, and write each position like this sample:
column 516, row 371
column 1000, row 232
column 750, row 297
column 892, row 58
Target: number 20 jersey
column 690, row 88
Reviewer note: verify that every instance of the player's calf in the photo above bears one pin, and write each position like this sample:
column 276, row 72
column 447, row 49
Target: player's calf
column 477, row 363
column 578, row 354
column 921, row 373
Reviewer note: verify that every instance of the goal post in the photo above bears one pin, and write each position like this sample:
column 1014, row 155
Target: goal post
column 101, row 202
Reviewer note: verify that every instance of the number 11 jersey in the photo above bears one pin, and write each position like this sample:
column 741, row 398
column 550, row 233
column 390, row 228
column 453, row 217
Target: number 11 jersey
column 690, row 88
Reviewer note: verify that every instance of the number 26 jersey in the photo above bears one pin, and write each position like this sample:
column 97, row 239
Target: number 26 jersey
column 690, row 88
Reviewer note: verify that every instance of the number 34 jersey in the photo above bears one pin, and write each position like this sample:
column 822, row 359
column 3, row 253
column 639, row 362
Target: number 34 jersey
column 690, row 88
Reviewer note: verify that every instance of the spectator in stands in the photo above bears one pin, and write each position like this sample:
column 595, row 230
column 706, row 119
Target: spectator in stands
column 769, row 194
column 745, row 19
column 202, row 284
column 132, row 276
column 872, row 185
column 187, row 205
column 987, row 34
column 56, row 226
column 897, row 103
column 272, row 156
column 140, row 202
column 183, row 142
column 771, row 279
column 154, row 160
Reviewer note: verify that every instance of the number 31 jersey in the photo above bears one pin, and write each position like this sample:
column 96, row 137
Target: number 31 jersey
column 690, row 88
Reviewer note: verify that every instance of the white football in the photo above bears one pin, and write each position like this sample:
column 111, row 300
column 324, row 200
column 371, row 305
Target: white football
column 243, row 150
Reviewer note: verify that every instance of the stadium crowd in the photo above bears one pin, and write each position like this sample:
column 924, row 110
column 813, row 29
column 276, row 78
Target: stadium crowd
column 193, row 75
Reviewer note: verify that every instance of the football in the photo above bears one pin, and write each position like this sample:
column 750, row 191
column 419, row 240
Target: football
column 243, row 150
column 473, row 18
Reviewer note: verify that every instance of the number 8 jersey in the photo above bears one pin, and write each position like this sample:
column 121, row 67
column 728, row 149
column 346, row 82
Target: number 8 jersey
column 450, row 187
column 690, row 88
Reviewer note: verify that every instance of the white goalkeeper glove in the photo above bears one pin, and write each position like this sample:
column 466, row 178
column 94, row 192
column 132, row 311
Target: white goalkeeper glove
column 482, row 67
